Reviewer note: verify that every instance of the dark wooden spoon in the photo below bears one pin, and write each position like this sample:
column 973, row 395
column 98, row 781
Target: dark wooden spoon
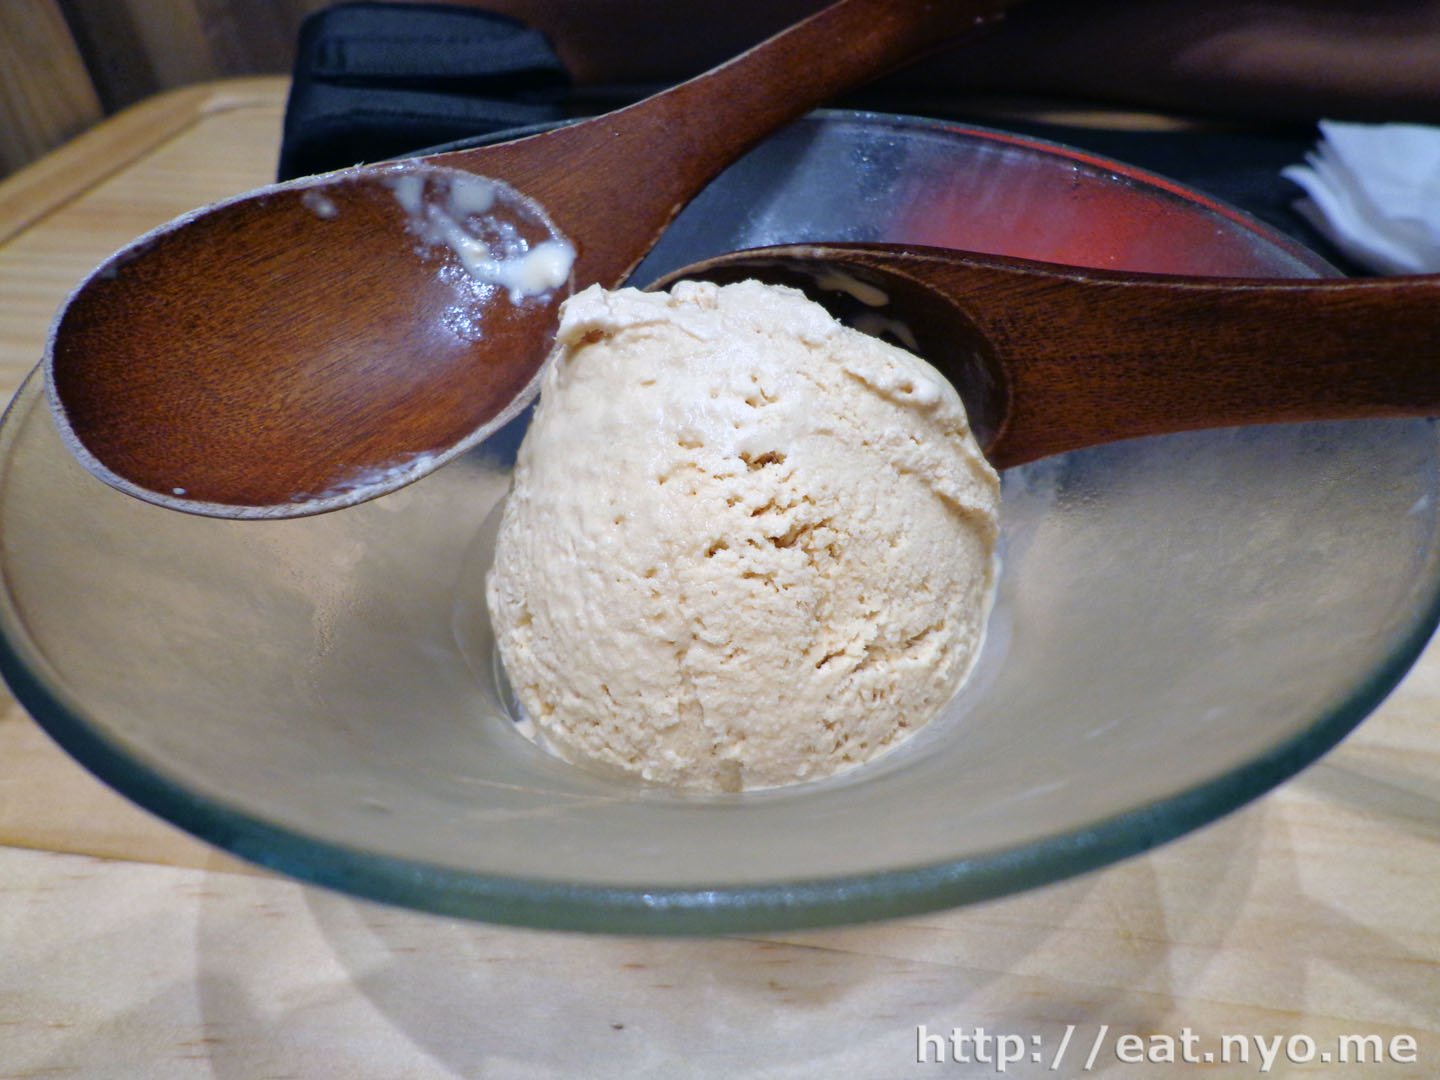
column 315, row 344
column 1053, row 358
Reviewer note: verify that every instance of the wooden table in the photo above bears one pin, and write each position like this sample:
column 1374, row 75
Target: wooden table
column 128, row 949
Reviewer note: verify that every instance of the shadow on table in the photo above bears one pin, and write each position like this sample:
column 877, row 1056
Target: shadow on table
column 237, row 977
column 1111, row 947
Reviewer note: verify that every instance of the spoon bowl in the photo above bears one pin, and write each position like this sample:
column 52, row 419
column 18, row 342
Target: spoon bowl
column 1051, row 358
column 241, row 378
column 318, row 343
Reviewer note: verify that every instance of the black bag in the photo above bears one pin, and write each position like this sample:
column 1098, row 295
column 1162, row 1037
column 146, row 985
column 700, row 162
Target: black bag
column 376, row 80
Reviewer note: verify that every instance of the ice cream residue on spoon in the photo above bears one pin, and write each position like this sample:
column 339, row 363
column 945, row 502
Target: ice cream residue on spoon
column 454, row 210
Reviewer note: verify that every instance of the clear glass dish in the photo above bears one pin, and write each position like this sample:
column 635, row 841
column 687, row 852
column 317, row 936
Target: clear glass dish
column 1182, row 623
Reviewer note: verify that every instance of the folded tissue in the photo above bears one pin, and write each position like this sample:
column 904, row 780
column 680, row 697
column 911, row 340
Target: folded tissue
column 1374, row 191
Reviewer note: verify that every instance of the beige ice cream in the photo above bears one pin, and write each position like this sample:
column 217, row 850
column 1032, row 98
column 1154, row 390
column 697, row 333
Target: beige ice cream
column 746, row 546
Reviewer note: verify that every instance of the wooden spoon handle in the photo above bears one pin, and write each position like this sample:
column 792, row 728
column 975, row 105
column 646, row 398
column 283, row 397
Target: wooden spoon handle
column 1075, row 357
column 1102, row 360
column 641, row 164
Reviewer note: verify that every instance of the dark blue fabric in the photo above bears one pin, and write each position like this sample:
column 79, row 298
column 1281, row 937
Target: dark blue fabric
column 376, row 80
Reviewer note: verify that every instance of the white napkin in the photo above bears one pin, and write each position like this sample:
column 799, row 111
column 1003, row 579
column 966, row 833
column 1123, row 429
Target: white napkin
column 1374, row 190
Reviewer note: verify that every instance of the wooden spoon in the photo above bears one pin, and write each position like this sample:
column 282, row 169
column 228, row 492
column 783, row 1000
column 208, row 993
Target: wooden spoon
column 1051, row 358
column 314, row 344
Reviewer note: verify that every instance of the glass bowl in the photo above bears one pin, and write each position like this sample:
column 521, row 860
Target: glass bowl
column 1181, row 622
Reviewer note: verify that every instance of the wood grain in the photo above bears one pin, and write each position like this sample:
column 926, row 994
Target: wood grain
column 66, row 212
column 46, row 95
column 138, row 48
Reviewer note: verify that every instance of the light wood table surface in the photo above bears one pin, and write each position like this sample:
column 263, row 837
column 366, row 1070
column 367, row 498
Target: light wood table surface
column 128, row 949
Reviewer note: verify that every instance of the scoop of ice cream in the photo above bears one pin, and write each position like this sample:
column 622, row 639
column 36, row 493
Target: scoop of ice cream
column 746, row 545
